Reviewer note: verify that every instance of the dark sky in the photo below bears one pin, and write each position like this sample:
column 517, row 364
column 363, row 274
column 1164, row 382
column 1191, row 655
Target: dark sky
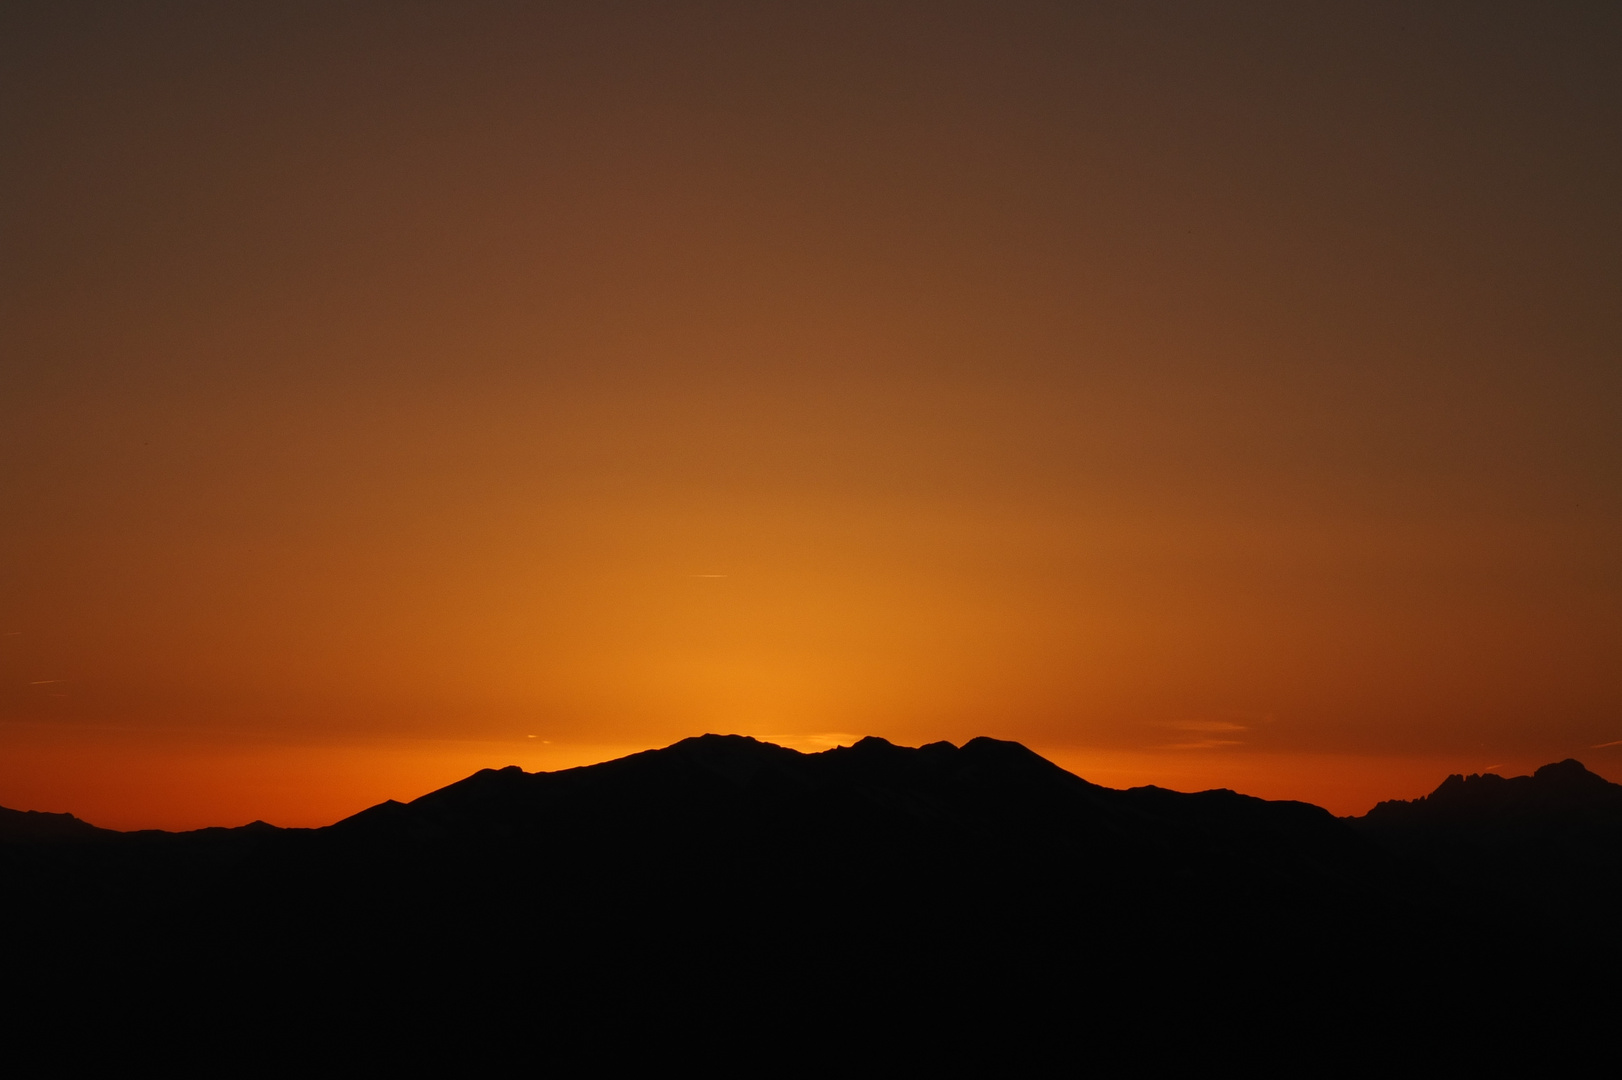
column 1224, row 390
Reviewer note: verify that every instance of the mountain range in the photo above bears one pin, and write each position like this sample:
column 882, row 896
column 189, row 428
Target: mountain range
column 724, row 893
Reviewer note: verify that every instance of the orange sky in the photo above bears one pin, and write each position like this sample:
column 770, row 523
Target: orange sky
column 1199, row 395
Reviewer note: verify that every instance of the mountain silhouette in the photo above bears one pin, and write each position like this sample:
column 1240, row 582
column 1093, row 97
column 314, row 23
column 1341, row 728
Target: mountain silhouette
column 941, row 901
column 1564, row 793
column 25, row 825
column 1543, row 850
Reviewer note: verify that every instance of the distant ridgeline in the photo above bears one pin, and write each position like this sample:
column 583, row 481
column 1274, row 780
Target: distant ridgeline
column 725, row 897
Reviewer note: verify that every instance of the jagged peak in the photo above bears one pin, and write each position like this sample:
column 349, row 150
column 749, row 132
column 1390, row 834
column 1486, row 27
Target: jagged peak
column 1557, row 788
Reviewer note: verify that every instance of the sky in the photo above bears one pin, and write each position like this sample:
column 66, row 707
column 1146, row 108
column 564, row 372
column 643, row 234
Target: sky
column 1203, row 395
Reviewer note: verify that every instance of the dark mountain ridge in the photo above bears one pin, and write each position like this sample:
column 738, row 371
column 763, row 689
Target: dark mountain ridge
column 1543, row 850
column 25, row 825
column 973, row 888
column 1561, row 792
column 983, row 781
column 984, row 785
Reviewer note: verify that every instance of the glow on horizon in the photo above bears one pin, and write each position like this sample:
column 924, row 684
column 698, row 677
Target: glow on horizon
column 1220, row 397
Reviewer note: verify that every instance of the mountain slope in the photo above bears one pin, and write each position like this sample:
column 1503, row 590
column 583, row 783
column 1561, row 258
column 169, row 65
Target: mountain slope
column 26, row 825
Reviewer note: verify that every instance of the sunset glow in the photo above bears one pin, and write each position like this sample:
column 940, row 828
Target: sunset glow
column 1200, row 397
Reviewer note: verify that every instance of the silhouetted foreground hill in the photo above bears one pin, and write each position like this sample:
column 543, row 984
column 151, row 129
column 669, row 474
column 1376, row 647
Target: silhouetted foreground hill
column 723, row 893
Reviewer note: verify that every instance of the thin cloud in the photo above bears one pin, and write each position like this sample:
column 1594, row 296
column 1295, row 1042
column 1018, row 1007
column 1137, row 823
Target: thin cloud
column 1214, row 727
column 1202, row 744
column 1203, row 734
column 1606, row 745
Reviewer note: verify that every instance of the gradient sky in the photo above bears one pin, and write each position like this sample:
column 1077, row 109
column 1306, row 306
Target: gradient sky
column 1203, row 395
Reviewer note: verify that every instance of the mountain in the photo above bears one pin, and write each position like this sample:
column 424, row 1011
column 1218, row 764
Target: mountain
column 25, row 825
column 1562, row 795
column 943, row 901
column 1543, row 850
column 872, row 793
